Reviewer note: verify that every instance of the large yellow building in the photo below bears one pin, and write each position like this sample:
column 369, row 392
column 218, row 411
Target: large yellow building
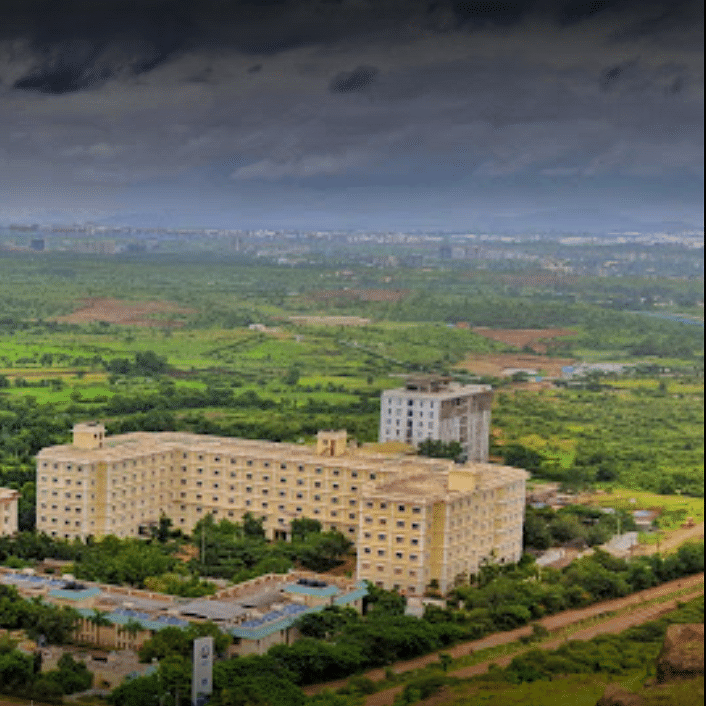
column 432, row 518
column 9, row 500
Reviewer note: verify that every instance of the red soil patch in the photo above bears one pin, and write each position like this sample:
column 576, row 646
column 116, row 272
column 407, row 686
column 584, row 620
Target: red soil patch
column 537, row 338
column 114, row 311
column 498, row 364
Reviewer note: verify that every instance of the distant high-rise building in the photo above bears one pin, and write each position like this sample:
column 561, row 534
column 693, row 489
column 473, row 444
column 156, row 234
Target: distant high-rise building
column 433, row 407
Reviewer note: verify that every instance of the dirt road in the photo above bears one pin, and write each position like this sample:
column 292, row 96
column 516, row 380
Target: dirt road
column 552, row 623
column 672, row 541
column 613, row 625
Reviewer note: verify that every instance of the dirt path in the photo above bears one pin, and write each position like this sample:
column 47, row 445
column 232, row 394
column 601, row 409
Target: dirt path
column 552, row 623
column 672, row 541
column 613, row 625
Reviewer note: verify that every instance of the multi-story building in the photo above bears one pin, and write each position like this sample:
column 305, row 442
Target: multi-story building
column 438, row 525
column 433, row 407
column 9, row 500
column 121, row 485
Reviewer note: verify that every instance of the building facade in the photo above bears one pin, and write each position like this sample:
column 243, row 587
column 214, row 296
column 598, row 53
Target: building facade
column 432, row 407
column 9, row 500
column 121, row 485
column 257, row 614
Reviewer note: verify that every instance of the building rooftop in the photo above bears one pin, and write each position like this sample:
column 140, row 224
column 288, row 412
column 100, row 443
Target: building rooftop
column 249, row 610
column 444, row 484
column 135, row 444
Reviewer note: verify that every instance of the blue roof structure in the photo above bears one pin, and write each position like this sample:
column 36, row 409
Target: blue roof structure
column 117, row 618
column 347, row 598
column 329, row 590
column 272, row 622
column 75, row 595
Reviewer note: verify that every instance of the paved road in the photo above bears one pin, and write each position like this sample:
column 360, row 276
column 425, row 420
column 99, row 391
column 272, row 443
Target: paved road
column 552, row 623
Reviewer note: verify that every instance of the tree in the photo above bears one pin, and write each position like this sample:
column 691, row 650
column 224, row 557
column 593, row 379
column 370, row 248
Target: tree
column 440, row 449
column 253, row 526
column 536, row 531
column 133, row 627
column 99, row 618
column 522, row 457
column 445, row 660
column 301, row 527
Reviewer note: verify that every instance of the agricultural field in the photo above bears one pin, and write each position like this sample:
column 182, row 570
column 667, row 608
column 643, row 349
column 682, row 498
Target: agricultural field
column 245, row 348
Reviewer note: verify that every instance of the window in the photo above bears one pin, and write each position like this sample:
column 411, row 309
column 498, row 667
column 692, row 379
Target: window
column 400, row 508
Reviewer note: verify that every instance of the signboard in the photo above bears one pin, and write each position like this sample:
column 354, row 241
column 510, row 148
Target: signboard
column 202, row 676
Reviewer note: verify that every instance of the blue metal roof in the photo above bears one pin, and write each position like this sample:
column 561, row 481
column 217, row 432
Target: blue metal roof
column 250, row 631
column 350, row 597
column 75, row 595
column 329, row 590
column 118, row 619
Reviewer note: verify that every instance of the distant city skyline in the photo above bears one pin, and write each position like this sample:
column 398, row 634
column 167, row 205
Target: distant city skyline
column 357, row 115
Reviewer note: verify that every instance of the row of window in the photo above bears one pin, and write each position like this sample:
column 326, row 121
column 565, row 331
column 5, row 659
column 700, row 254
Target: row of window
column 383, row 552
column 399, row 539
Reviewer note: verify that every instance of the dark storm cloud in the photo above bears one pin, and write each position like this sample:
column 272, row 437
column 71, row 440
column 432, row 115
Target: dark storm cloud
column 79, row 44
column 357, row 92
column 353, row 81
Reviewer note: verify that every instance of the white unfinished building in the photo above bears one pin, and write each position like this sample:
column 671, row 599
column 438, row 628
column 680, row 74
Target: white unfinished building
column 433, row 407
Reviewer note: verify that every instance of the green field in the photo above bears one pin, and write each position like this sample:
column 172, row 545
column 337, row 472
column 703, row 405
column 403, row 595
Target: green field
column 217, row 375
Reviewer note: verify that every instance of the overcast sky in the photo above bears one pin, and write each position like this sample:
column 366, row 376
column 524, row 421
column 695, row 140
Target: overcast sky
column 352, row 113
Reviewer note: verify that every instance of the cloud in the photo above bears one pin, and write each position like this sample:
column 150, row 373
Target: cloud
column 353, row 81
column 346, row 94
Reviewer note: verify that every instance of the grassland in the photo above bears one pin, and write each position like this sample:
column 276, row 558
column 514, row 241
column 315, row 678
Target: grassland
column 237, row 365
